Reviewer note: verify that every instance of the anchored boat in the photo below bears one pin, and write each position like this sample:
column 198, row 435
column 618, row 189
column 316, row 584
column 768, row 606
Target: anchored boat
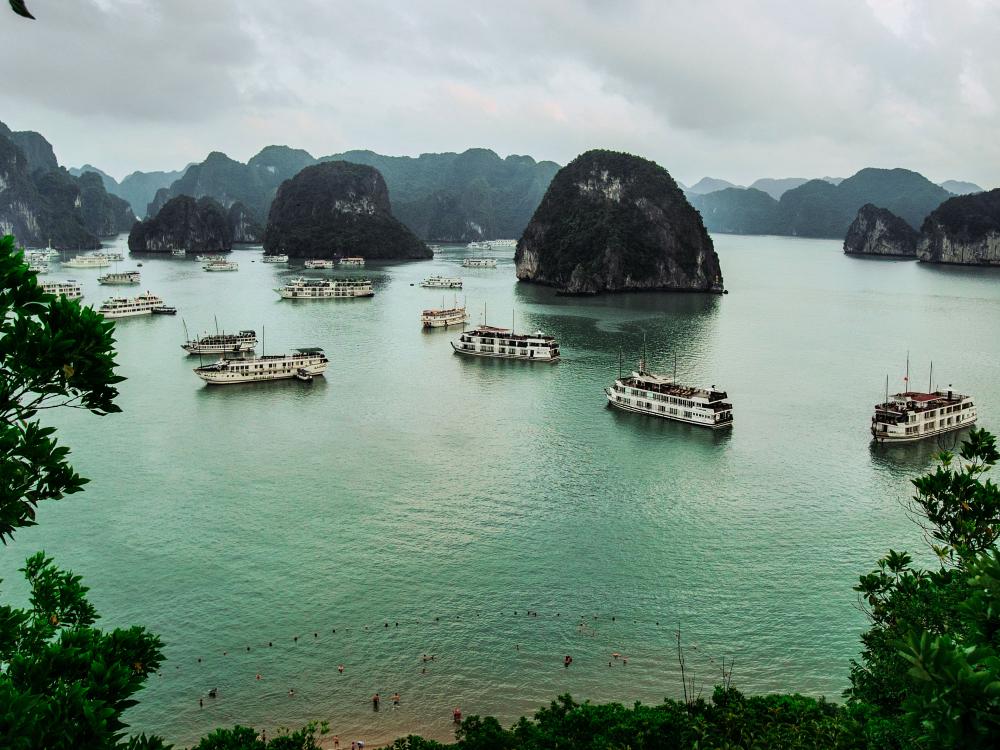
column 125, row 307
column 303, row 364
column 302, row 288
column 442, row 282
column 222, row 343
column 112, row 279
column 503, row 343
column 69, row 288
column 915, row 415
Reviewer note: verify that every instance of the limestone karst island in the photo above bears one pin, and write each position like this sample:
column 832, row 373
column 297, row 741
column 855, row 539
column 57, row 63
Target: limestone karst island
column 484, row 376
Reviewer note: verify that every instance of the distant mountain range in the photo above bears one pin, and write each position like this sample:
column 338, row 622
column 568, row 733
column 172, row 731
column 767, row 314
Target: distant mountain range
column 137, row 188
column 444, row 197
column 818, row 208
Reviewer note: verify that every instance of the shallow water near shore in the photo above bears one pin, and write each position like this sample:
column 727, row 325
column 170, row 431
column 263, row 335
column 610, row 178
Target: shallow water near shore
column 447, row 497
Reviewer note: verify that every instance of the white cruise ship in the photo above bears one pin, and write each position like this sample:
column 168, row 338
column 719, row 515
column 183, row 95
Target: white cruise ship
column 207, row 258
column 69, row 288
column 503, row 243
column 96, row 260
column 325, row 288
column 303, row 364
column 125, row 307
column 480, row 245
column 37, row 267
column 221, row 265
column 442, row 282
column 911, row 415
column 488, row 341
column 442, row 317
column 319, row 263
column 222, row 343
column 114, row 257
column 279, row 258
column 480, row 262
column 659, row 396
column 356, row 262
column 126, row 277
column 178, row 252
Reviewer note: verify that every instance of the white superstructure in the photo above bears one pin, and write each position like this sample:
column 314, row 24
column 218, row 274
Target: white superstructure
column 207, row 258
column 302, row 288
column 488, row 341
column 503, row 243
column 479, row 245
column 480, row 262
column 69, row 288
column 125, row 307
column 659, row 396
column 442, row 282
column 279, row 258
column 320, row 263
column 911, row 415
column 178, row 252
column 126, row 277
column 36, row 267
column 303, row 364
column 221, row 265
column 96, row 260
column 442, row 317
column 114, row 257
column 221, row 343
column 355, row 261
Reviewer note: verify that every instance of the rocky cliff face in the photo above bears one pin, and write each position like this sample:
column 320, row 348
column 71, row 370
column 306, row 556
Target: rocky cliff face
column 103, row 214
column 612, row 222
column 243, row 227
column 878, row 231
column 963, row 230
column 198, row 226
column 338, row 208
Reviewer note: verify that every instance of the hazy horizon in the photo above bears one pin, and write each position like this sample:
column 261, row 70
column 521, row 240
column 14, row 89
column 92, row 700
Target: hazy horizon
column 777, row 91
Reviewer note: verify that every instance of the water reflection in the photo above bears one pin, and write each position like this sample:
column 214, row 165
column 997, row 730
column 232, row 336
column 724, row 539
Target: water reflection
column 910, row 459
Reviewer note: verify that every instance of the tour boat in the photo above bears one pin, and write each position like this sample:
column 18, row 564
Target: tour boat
column 164, row 310
column 69, row 288
column 503, row 243
column 36, row 257
column 110, row 279
column 489, row 341
column 51, row 251
column 479, row 245
column 113, row 257
column 207, row 258
column 221, row 343
column 442, row 317
column 124, row 307
column 319, row 263
column 352, row 261
column 301, row 288
column 303, row 364
column 178, row 252
column 442, row 282
column 280, row 258
column 88, row 261
column 914, row 415
column 36, row 267
column 659, row 396
column 221, row 265
column 480, row 262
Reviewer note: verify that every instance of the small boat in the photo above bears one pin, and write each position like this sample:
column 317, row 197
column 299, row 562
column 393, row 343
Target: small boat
column 69, row 288
column 355, row 261
column 111, row 279
column 178, row 252
column 304, row 375
column 125, row 307
column 442, row 317
column 222, row 343
column 319, row 263
column 503, row 343
column 95, row 260
column 480, row 262
column 207, row 258
column 442, row 282
column 221, row 265
column 113, row 257
column 915, row 415
column 302, row 288
column 279, row 258
column 164, row 310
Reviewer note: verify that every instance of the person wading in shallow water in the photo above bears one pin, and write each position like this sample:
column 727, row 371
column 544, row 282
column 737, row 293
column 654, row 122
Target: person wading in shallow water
column 456, row 715
column 375, row 700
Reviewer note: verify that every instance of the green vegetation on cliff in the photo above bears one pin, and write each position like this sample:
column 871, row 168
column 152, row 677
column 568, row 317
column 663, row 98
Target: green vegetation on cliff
column 198, row 226
column 338, row 208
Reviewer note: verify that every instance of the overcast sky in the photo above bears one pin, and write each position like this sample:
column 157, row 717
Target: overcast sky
column 738, row 89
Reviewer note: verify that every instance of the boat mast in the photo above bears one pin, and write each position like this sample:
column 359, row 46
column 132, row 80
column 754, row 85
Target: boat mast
column 906, row 378
column 619, row 362
column 674, row 379
column 930, row 379
column 887, row 389
column 642, row 361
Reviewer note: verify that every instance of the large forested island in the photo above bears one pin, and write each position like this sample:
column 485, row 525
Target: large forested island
column 335, row 209
column 613, row 222
column 184, row 223
column 964, row 230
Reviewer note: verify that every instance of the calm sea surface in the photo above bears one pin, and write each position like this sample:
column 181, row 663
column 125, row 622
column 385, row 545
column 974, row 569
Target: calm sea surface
column 452, row 496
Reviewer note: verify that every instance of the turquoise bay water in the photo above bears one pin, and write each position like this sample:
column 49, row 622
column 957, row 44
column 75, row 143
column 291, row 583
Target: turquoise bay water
column 446, row 494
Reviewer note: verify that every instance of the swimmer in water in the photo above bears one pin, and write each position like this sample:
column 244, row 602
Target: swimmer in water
column 395, row 699
column 340, row 668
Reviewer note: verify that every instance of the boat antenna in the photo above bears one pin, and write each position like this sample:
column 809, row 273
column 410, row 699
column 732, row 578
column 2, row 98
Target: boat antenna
column 906, row 378
column 930, row 379
column 620, row 362
column 216, row 324
column 642, row 361
column 887, row 388
column 674, row 379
